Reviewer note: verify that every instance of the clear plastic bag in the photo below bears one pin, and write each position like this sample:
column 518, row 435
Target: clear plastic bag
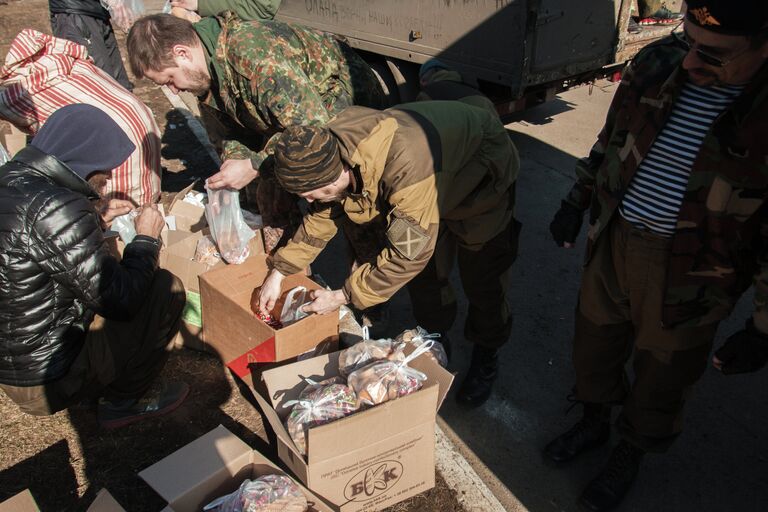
column 268, row 493
column 124, row 12
column 418, row 336
column 363, row 353
column 125, row 226
column 206, row 252
column 318, row 403
column 228, row 228
column 295, row 299
column 4, row 156
column 382, row 381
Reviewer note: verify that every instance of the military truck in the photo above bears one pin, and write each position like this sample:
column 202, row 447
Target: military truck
column 519, row 52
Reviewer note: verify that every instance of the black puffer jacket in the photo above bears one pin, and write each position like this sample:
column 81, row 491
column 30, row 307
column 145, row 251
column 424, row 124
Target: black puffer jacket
column 55, row 269
column 87, row 7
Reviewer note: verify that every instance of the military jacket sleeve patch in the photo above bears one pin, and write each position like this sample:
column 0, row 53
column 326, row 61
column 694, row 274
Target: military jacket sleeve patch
column 407, row 237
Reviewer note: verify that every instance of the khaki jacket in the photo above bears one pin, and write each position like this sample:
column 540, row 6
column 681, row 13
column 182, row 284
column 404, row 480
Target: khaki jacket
column 414, row 166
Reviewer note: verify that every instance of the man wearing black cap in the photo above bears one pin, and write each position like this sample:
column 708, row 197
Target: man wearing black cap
column 77, row 324
column 440, row 176
column 676, row 186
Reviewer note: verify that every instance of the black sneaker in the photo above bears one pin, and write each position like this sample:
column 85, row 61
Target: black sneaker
column 477, row 386
column 610, row 486
column 592, row 431
column 160, row 399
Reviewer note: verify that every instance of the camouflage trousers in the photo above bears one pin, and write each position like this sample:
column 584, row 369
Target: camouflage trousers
column 618, row 318
column 485, row 277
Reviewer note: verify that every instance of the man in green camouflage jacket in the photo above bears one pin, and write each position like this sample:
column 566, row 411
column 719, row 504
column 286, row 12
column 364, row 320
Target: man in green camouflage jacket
column 257, row 78
column 676, row 186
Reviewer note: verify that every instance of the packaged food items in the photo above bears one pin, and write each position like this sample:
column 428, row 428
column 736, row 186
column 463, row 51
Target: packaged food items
column 382, row 381
column 418, row 336
column 268, row 493
column 362, row 353
column 228, row 228
column 318, row 404
column 206, row 252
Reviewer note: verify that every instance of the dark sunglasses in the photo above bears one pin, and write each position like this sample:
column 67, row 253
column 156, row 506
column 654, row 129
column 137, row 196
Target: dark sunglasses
column 682, row 39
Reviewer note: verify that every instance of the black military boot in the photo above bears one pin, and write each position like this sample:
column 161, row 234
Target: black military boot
column 476, row 387
column 610, row 486
column 592, row 430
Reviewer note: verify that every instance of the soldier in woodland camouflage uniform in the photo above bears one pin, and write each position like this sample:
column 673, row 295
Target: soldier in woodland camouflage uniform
column 255, row 78
column 676, row 186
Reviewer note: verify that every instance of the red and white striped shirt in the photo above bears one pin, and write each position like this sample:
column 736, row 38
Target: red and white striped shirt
column 43, row 73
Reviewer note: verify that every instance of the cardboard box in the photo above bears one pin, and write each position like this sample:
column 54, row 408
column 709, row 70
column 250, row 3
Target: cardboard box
column 238, row 336
column 211, row 466
column 371, row 459
column 22, row 502
column 189, row 217
column 104, row 502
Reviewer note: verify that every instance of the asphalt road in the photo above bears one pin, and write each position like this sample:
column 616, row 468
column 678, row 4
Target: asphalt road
column 720, row 462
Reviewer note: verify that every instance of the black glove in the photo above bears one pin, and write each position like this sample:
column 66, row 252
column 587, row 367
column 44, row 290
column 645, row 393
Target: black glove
column 566, row 225
column 744, row 351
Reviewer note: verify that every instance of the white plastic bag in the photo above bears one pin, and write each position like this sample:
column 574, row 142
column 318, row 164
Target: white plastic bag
column 268, row 493
column 125, row 226
column 228, row 228
column 292, row 311
column 418, row 336
column 4, row 156
column 124, row 12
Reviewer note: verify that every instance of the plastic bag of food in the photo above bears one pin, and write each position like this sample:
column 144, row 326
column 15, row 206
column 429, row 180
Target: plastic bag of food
column 418, row 336
column 206, row 252
column 125, row 226
column 363, row 353
column 318, row 403
column 268, row 493
column 292, row 311
column 228, row 229
column 124, row 12
column 382, row 381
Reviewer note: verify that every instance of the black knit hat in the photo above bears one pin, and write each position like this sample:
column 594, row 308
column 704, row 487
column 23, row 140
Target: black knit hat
column 307, row 158
column 733, row 17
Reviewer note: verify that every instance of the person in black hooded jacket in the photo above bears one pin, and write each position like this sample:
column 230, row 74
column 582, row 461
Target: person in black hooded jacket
column 76, row 324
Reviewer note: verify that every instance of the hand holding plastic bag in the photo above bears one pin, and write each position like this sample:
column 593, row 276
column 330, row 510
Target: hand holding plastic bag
column 124, row 12
column 292, row 310
column 228, row 228
column 268, row 493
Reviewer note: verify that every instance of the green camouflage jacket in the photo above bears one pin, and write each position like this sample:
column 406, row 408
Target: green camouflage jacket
column 719, row 245
column 266, row 75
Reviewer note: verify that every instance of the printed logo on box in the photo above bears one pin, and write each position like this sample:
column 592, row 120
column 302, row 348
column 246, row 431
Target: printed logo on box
column 373, row 480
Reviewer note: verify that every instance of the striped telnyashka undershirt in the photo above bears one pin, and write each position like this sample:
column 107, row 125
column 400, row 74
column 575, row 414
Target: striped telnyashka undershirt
column 655, row 193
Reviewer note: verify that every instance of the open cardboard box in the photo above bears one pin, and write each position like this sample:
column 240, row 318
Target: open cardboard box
column 371, row 459
column 211, row 466
column 239, row 336
column 22, row 502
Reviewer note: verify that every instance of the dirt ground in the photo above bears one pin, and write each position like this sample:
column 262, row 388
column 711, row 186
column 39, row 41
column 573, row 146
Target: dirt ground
column 66, row 459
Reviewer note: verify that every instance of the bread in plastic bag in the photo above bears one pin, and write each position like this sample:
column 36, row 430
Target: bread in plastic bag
column 268, row 493
column 363, row 353
column 318, row 403
column 228, row 229
column 418, row 336
column 206, row 252
column 382, row 381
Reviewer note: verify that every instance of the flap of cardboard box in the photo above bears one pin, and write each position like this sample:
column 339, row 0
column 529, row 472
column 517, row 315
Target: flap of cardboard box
column 213, row 465
column 105, row 502
column 22, row 502
column 189, row 217
column 215, row 456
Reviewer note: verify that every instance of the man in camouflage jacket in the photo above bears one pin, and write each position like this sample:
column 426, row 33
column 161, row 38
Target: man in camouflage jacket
column 256, row 78
column 440, row 176
column 664, row 293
